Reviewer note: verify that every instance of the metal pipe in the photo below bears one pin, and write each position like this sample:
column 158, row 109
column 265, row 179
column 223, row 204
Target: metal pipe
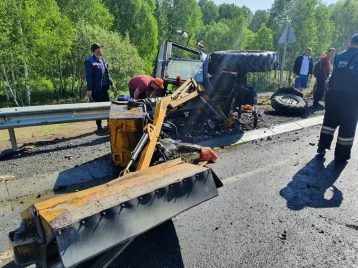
column 138, row 149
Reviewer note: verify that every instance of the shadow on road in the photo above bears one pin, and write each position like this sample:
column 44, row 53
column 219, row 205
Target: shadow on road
column 12, row 264
column 313, row 186
column 90, row 174
column 156, row 248
column 221, row 141
column 62, row 145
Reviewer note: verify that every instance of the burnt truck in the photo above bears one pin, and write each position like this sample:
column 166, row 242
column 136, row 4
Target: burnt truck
column 226, row 93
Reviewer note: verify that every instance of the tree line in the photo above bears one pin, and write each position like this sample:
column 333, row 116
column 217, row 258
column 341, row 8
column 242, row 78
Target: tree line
column 44, row 43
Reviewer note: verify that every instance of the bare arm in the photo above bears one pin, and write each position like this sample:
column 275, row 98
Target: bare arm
column 136, row 94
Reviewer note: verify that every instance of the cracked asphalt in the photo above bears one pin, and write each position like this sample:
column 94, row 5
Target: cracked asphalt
column 280, row 207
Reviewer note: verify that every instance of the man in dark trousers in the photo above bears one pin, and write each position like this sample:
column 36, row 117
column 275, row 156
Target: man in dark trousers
column 98, row 78
column 324, row 70
column 303, row 68
column 342, row 104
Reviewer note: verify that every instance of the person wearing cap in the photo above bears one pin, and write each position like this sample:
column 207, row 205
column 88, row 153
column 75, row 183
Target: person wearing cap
column 98, row 78
column 145, row 86
column 341, row 104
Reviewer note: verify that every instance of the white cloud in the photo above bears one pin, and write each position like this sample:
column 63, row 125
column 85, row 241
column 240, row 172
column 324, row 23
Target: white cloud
column 257, row 4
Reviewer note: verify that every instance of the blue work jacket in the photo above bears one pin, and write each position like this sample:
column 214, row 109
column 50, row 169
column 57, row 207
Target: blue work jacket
column 95, row 69
column 345, row 71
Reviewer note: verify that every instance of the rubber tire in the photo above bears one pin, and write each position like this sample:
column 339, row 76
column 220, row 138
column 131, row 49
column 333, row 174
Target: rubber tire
column 288, row 90
column 286, row 108
column 245, row 61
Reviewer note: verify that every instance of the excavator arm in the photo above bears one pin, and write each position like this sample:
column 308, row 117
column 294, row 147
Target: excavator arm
column 186, row 92
column 68, row 230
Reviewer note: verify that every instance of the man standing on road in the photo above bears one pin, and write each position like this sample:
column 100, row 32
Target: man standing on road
column 98, row 78
column 342, row 104
column 324, row 70
column 144, row 86
column 303, row 68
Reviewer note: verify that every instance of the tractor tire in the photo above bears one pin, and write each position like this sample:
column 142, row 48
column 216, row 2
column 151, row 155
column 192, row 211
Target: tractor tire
column 288, row 90
column 288, row 104
column 245, row 61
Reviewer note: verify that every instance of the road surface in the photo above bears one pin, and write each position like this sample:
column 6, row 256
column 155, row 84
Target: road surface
column 280, row 207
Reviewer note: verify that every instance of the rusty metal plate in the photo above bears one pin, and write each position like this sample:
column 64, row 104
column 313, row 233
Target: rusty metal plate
column 121, row 112
column 110, row 227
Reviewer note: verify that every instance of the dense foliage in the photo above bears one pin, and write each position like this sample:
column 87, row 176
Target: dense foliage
column 44, row 43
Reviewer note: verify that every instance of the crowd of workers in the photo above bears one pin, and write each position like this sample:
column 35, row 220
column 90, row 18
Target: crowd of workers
column 336, row 84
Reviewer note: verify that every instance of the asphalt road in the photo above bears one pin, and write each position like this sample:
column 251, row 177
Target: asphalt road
column 279, row 207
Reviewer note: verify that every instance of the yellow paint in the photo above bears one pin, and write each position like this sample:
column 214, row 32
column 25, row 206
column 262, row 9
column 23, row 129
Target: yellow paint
column 49, row 215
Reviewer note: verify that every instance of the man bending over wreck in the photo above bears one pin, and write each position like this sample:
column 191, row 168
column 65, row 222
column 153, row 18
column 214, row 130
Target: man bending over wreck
column 144, row 86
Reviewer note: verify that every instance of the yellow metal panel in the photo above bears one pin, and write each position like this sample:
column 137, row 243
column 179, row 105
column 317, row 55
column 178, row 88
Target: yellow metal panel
column 59, row 213
column 125, row 133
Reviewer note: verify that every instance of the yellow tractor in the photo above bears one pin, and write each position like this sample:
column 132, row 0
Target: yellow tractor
column 101, row 221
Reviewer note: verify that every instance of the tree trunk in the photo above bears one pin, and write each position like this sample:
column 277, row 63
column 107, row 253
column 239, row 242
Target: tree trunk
column 27, row 84
column 289, row 78
column 62, row 91
column 10, row 89
column 13, row 76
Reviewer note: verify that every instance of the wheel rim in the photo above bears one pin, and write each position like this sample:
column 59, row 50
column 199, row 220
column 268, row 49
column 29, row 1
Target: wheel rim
column 289, row 100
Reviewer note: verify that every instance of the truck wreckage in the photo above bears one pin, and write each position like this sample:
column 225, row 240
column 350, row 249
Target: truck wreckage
column 226, row 94
column 155, row 185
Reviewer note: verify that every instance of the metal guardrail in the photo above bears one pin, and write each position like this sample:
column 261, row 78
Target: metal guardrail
column 16, row 117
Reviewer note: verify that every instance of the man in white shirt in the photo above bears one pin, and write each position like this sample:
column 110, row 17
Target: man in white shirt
column 302, row 69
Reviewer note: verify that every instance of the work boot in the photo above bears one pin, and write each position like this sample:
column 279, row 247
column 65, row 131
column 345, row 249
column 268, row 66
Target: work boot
column 100, row 129
column 340, row 160
column 321, row 152
column 317, row 105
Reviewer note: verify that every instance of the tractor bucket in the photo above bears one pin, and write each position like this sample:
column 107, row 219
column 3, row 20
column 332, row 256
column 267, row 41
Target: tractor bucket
column 70, row 229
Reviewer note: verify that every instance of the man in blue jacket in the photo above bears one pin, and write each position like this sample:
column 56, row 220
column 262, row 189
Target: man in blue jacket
column 98, row 78
column 341, row 104
column 303, row 68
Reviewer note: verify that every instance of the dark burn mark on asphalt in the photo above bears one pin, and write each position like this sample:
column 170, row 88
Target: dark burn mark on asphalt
column 354, row 227
column 283, row 236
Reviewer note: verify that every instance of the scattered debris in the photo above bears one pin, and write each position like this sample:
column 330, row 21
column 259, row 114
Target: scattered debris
column 283, row 236
column 4, row 178
column 29, row 148
column 355, row 227
column 69, row 157
column 269, row 138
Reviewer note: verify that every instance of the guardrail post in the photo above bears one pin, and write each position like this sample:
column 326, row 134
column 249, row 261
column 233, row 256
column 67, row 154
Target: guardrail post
column 13, row 139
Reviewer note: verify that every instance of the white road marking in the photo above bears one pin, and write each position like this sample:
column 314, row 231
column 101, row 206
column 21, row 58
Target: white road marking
column 255, row 171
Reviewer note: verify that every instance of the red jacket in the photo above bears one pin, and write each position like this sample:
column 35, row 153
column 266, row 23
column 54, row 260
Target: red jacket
column 325, row 66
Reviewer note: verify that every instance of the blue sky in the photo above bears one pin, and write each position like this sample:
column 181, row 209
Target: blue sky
column 257, row 4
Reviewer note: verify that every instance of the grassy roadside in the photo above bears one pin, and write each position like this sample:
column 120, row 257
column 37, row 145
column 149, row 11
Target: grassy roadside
column 46, row 133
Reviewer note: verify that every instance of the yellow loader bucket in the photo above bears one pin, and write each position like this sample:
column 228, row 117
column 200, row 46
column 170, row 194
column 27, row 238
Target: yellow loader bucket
column 68, row 230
